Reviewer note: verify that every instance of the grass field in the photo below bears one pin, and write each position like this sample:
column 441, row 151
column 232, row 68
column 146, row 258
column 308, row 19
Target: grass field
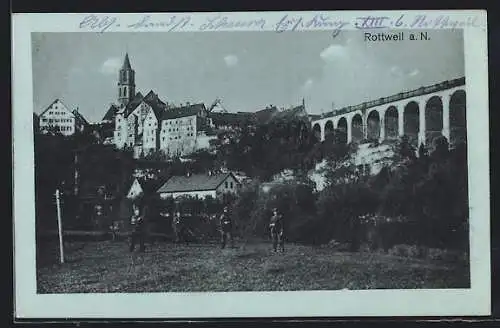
column 108, row 267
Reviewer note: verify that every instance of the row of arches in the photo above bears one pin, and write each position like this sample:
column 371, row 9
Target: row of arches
column 436, row 119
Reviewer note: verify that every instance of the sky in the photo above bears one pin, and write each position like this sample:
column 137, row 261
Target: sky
column 247, row 70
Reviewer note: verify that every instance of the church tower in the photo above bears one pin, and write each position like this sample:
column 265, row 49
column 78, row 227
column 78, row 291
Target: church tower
column 126, row 83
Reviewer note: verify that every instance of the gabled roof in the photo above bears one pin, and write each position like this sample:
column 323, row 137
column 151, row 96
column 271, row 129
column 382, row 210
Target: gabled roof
column 183, row 111
column 195, row 182
column 151, row 99
column 132, row 105
column 79, row 117
column 57, row 100
column 264, row 116
column 111, row 113
column 148, row 186
column 156, row 104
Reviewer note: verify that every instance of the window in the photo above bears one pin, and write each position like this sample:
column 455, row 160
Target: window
column 231, row 185
column 226, row 184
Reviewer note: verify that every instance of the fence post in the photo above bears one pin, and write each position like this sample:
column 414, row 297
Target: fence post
column 59, row 226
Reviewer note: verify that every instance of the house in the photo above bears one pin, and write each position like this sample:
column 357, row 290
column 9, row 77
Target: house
column 57, row 117
column 200, row 185
column 179, row 129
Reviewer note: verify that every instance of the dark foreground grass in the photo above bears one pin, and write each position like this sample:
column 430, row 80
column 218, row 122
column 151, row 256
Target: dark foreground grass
column 109, row 267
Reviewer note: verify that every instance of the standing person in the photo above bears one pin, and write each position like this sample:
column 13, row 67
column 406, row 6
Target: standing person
column 226, row 225
column 179, row 227
column 176, row 225
column 138, row 229
column 277, row 229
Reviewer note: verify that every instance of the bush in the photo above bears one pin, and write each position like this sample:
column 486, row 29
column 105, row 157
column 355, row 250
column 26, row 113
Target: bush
column 405, row 251
column 295, row 200
column 445, row 255
column 339, row 208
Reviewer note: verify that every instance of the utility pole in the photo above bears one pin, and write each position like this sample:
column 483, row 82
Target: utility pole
column 76, row 173
column 59, row 225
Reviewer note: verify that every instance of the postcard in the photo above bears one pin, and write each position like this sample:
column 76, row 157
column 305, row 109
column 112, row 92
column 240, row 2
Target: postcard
column 251, row 164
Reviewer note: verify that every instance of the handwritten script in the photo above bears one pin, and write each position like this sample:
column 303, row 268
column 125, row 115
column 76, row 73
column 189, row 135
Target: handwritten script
column 285, row 23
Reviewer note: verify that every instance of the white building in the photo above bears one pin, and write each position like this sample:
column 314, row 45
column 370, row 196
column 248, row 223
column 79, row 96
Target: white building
column 58, row 117
column 199, row 185
column 147, row 124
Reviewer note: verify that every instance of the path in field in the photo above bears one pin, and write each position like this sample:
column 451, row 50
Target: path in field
column 108, row 267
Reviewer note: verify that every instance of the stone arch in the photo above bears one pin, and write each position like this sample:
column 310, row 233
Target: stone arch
column 458, row 119
column 373, row 125
column 357, row 128
column 433, row 119
column 391, row 126
column 341, row 131
column 411, row 122
column 316, row 133
column 329, row 131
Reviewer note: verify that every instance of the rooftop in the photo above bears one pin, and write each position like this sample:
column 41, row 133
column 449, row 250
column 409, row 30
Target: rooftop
column 195, row 182
column 184, row 111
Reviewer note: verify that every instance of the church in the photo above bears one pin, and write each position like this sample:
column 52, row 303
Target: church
column 147, row 124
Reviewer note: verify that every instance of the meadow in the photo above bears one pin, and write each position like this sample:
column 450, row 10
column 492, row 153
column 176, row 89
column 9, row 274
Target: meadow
column 108, row 266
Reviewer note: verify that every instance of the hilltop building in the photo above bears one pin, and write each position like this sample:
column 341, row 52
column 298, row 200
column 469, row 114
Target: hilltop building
column 147, row 124
column 57, row 117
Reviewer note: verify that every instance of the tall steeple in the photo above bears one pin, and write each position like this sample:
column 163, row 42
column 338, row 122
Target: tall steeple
column 126, row 82
column 126, row 62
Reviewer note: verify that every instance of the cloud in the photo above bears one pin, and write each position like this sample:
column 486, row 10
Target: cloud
column 111, row 66
column 396, row 71
column 308, row 84
column 333, row 52
column 415, row 72
column 231, row 60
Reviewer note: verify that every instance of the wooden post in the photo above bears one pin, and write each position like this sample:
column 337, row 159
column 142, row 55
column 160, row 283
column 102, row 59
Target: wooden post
column 76, row 174
column 59, row 225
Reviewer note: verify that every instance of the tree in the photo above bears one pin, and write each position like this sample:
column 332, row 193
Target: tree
column 405, row 149
column 441, row 148
column 422, row 151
